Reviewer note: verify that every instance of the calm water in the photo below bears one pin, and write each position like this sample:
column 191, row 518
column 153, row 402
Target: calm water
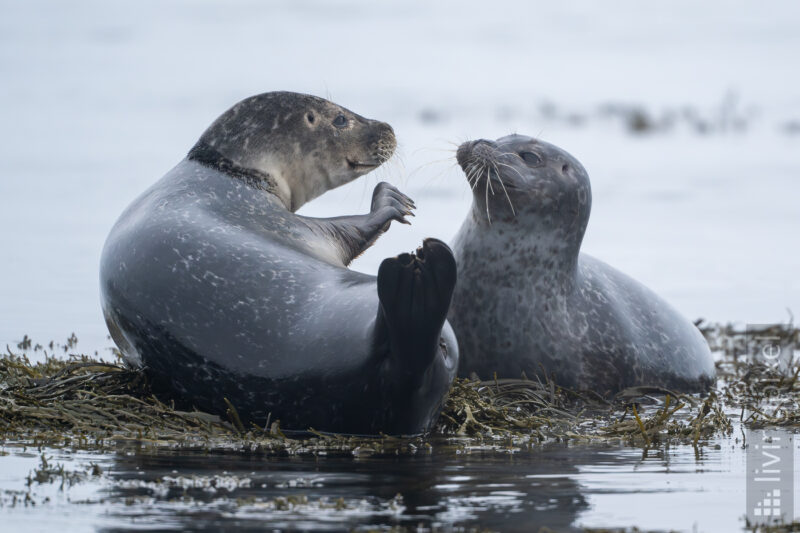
column 561, row 487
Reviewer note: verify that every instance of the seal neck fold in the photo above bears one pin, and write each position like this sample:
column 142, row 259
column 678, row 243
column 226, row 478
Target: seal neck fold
column 206, row 155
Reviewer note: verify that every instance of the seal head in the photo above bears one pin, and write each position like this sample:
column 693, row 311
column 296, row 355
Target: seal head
column 297, row 146
column 519, row 174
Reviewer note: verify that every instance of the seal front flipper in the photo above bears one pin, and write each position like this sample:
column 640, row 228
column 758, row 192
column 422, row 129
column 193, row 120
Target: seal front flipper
column 415, row 292
column 358, row 232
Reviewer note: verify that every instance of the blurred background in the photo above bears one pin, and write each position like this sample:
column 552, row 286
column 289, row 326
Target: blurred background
column 686, row 116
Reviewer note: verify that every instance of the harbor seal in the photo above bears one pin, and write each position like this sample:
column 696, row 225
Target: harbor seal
column 223, row 295
column 528, row 301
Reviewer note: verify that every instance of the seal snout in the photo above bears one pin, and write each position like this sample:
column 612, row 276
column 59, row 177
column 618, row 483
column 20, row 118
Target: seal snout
column 386, row 143
column 469, row 151
column 375, row 149
column 483, row 148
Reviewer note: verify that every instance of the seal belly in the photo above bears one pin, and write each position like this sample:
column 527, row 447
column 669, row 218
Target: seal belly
column 235, row 298
column 214, row 307
column 258, row 326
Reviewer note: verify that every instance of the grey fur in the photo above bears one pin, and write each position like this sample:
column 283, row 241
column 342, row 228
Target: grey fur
column 528, row 301
column 213, row 285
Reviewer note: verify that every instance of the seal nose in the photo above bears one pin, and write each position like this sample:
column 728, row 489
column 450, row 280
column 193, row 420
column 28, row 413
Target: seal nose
column 385, row 131
column 462, row 154
column 481, row 147
column 387, row 142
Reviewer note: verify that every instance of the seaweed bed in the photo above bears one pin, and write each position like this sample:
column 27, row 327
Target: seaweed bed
column 87, row 403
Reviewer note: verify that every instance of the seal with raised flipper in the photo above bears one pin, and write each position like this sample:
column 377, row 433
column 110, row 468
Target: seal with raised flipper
column 215, row 287
column 529, row 302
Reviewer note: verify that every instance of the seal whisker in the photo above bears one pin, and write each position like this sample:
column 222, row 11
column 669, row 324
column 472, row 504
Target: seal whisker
column 473, row 168
column 512, row 168
column 472, row 180
column 468, row 170
column 480, row 168
column 500, row 154
column 393, row 167
column 500, row 179
column 382, row 173
column 391, row 160
column 440, row 173
column 475, row 177
column 488, row 216
column 429, row 163
column 472, row 173
column 478, row 176
column 429, row 148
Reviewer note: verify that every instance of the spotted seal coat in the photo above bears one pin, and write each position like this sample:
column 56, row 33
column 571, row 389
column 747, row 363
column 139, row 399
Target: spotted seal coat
column 213, row 285
column 528, row 301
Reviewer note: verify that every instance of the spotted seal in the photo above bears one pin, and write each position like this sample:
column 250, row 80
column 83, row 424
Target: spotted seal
column 213, row 285
column 528, row 301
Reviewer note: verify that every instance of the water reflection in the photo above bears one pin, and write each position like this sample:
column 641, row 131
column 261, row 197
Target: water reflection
column 561, row 487
column 505, row 492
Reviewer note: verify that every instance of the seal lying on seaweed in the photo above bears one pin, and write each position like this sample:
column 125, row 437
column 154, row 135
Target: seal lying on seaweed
column 529, row 301
column 212, row 283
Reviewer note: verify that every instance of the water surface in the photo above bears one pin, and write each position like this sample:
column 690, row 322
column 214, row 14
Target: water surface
column 519, row 489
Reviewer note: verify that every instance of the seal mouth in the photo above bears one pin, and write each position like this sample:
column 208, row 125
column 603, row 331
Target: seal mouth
column 354, row 164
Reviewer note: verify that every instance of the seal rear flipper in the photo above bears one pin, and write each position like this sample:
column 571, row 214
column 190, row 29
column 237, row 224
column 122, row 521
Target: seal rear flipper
column 415, row 291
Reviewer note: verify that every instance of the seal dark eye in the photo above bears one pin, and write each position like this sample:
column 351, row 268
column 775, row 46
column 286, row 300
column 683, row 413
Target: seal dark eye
column 531, row 158
column 310, row 118
column 340, row 121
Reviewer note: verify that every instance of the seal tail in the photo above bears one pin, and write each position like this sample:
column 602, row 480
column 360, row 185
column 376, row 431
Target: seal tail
column 415, row 291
